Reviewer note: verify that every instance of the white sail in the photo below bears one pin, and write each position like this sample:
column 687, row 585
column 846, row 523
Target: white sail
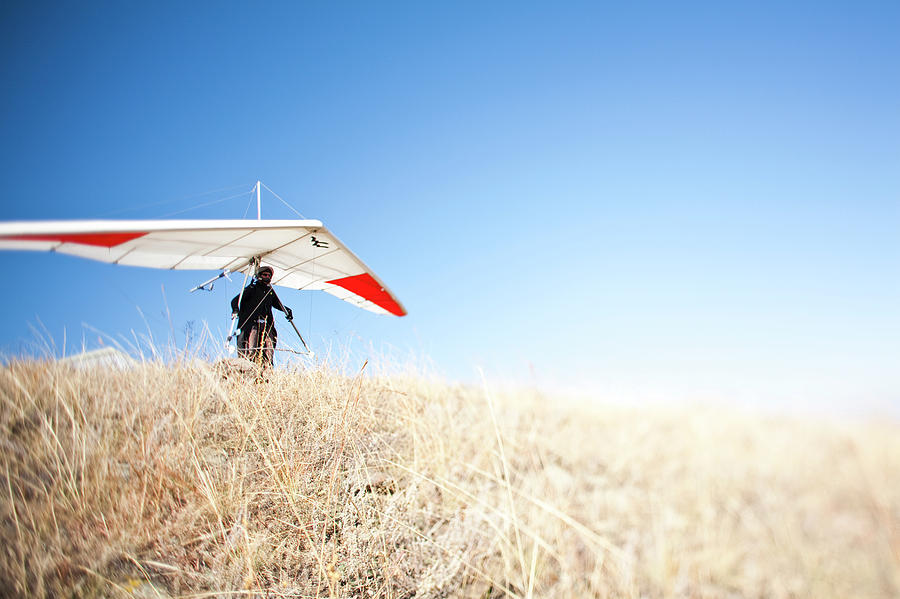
column 304, row 253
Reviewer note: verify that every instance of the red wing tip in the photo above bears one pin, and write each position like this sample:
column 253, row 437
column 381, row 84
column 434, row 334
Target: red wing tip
column 365, row 286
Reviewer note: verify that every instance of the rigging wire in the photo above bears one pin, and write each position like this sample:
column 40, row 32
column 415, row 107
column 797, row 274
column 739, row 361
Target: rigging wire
column 205, row 204
column 164, row 202
column 246, row 210
column 294, row 210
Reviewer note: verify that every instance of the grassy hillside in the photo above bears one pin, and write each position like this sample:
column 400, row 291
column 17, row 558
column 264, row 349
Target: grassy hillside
column 172, row 481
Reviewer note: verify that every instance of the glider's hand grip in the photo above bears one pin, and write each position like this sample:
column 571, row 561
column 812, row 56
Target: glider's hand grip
column 288, row 313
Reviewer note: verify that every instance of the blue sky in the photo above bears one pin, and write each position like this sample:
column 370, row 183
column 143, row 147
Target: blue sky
column 691, row 201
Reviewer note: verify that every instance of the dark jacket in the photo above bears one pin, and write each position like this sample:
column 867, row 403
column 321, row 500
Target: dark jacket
column 257, row 302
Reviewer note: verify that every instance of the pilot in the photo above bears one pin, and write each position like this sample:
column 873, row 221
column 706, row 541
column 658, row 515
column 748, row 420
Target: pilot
column 253, row 309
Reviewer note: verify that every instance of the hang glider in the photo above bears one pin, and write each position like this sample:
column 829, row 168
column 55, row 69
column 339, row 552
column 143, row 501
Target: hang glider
column 304, row 253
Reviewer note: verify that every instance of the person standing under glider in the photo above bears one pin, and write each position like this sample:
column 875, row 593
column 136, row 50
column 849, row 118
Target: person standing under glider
column 253, row 309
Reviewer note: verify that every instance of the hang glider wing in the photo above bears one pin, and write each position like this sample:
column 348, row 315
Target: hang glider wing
column 304, row 253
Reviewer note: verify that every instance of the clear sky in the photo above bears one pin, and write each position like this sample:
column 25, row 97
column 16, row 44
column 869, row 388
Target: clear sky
column 633, row 200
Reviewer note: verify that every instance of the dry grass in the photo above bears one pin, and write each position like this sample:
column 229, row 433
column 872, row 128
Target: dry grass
column 314, row 484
